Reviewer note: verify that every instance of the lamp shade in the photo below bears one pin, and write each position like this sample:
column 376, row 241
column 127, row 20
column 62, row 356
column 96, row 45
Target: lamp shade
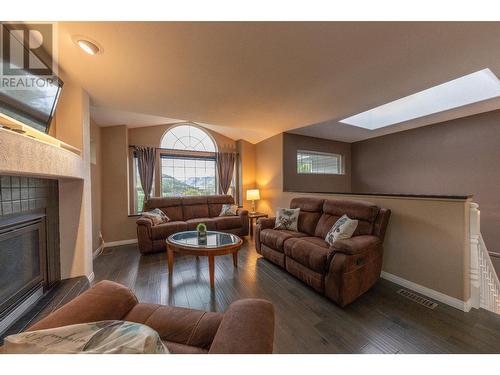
column 253, row 195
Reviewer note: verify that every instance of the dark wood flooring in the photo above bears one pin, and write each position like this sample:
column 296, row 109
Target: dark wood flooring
column 381, row 321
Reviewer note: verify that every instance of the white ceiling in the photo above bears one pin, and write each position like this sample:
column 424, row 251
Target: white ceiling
column 252, row 80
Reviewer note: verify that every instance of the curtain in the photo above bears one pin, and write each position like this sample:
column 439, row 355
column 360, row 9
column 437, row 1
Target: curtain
column 225, row 169
column 146, row 158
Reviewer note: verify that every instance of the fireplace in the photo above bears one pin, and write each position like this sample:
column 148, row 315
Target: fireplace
column 29, row 243
column 22, row 254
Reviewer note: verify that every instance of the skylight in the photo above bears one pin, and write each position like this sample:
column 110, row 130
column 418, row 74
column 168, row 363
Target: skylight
column 472, row 88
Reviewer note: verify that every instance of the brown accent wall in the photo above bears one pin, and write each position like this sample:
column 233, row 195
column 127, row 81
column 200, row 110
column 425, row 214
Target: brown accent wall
column 95, row 176
column 455, row 157
column 319, row 183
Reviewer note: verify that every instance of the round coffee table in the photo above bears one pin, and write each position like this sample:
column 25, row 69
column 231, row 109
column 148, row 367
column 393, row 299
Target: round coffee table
column 217, row 243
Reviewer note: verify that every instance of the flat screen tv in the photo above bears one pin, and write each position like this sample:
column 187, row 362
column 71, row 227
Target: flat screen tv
column 34, row 106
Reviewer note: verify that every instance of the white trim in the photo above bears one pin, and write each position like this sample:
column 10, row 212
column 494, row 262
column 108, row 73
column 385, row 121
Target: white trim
column 91, row 277
column 119, row 243
column 97, row 251
column 434, row 294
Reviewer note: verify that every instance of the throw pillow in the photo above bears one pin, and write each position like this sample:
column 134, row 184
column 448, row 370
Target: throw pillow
column 343, row 229
column 157, row 216
column 287, row 218
column 229, row 210
column 104, row 337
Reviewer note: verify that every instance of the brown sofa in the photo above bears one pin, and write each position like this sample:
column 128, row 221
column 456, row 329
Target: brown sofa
column 247, row 326
column 343, row 271
column 186, row 213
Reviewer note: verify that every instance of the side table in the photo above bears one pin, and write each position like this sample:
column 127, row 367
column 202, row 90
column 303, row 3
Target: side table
column 254, row 216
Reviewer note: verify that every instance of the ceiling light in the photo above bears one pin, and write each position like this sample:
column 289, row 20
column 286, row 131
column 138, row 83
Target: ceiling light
column 87, row 45
column 472, row 88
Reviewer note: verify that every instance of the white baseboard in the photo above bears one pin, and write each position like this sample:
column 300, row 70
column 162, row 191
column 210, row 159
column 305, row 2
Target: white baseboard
column 431, row 293
column 98, row 251
column 91, row 277
column 120, row 243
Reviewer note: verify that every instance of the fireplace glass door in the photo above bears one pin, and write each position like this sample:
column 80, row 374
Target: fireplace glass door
column 21, row 262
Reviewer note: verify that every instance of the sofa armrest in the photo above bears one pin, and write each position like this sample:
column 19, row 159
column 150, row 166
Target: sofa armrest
column 246, row 328
column 356, row 245
column 266, row 222
column 107, row 300
column 145, row 221
column 242, row 212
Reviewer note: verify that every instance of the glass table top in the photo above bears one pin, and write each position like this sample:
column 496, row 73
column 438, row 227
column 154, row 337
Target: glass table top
column 213, row 240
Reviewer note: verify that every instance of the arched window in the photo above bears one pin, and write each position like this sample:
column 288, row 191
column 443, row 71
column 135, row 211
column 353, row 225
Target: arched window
column 189, row 138
column 188, row 162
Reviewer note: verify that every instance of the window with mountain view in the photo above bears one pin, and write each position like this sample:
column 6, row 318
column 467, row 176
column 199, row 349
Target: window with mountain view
column 192, row 170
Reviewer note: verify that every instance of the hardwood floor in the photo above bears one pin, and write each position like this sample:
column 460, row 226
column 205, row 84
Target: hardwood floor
column 381, row 321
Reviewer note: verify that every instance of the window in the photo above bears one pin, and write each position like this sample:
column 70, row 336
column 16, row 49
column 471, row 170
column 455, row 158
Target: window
column 187, row 176
column 188, row 165
column 314, row 162
column 472, row 88
column 187, row 137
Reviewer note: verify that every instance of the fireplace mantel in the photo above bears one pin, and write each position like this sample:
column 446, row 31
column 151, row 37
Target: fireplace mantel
column 23, row 155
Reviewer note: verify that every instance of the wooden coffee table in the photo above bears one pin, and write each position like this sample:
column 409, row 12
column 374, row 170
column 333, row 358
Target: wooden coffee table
column 217, row 243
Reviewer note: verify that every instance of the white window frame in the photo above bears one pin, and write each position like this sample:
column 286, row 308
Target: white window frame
column 339, row 157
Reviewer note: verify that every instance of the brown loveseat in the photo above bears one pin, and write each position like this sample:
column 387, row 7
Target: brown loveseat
column 343, row 271
column 186, row 213
column 247, row 326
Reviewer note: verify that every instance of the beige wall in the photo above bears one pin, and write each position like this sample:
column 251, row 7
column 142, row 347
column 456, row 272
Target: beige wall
column 116, row 225
column 95, row 174
column 425, row 243
column 151, row 136
column 75, row 207
column 246, row 151
column 324, row 183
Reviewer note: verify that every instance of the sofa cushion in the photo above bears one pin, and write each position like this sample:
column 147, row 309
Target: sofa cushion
column 171, row 206
column 311, row 210
column 276, row 238
column 215, row 203
column 194, row 207
column 333, row 209
column 209, row 222
column 176, row 348
column 227, row 222
column 312, row 252
column 162, row 231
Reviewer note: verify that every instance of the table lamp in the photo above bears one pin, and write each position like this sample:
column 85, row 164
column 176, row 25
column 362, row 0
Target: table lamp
column 253, row 195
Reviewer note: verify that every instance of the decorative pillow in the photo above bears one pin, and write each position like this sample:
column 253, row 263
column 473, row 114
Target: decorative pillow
column 157, row 216
column 342, row 229
column 287, row 218
column 104, row 337
column 229, row 210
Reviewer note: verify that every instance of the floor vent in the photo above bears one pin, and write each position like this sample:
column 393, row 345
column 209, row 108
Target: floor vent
column 416, row 298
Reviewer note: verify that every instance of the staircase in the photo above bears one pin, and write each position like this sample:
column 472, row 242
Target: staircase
column 485, row 286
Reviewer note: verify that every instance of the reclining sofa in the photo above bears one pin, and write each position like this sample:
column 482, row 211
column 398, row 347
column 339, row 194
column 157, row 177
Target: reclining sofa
column 247, row 326
column 185, row 213
column 342, row 272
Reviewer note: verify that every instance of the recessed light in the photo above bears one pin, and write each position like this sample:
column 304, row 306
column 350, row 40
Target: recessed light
column 87, row 45
column 472, row 88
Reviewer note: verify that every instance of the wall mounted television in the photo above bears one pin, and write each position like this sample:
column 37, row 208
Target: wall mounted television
column 36, row 105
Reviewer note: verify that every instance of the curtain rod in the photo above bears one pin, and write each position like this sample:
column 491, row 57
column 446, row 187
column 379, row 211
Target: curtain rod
column 170, row 149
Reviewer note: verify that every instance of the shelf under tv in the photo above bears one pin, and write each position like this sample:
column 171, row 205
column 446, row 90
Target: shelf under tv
column 8, row 123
